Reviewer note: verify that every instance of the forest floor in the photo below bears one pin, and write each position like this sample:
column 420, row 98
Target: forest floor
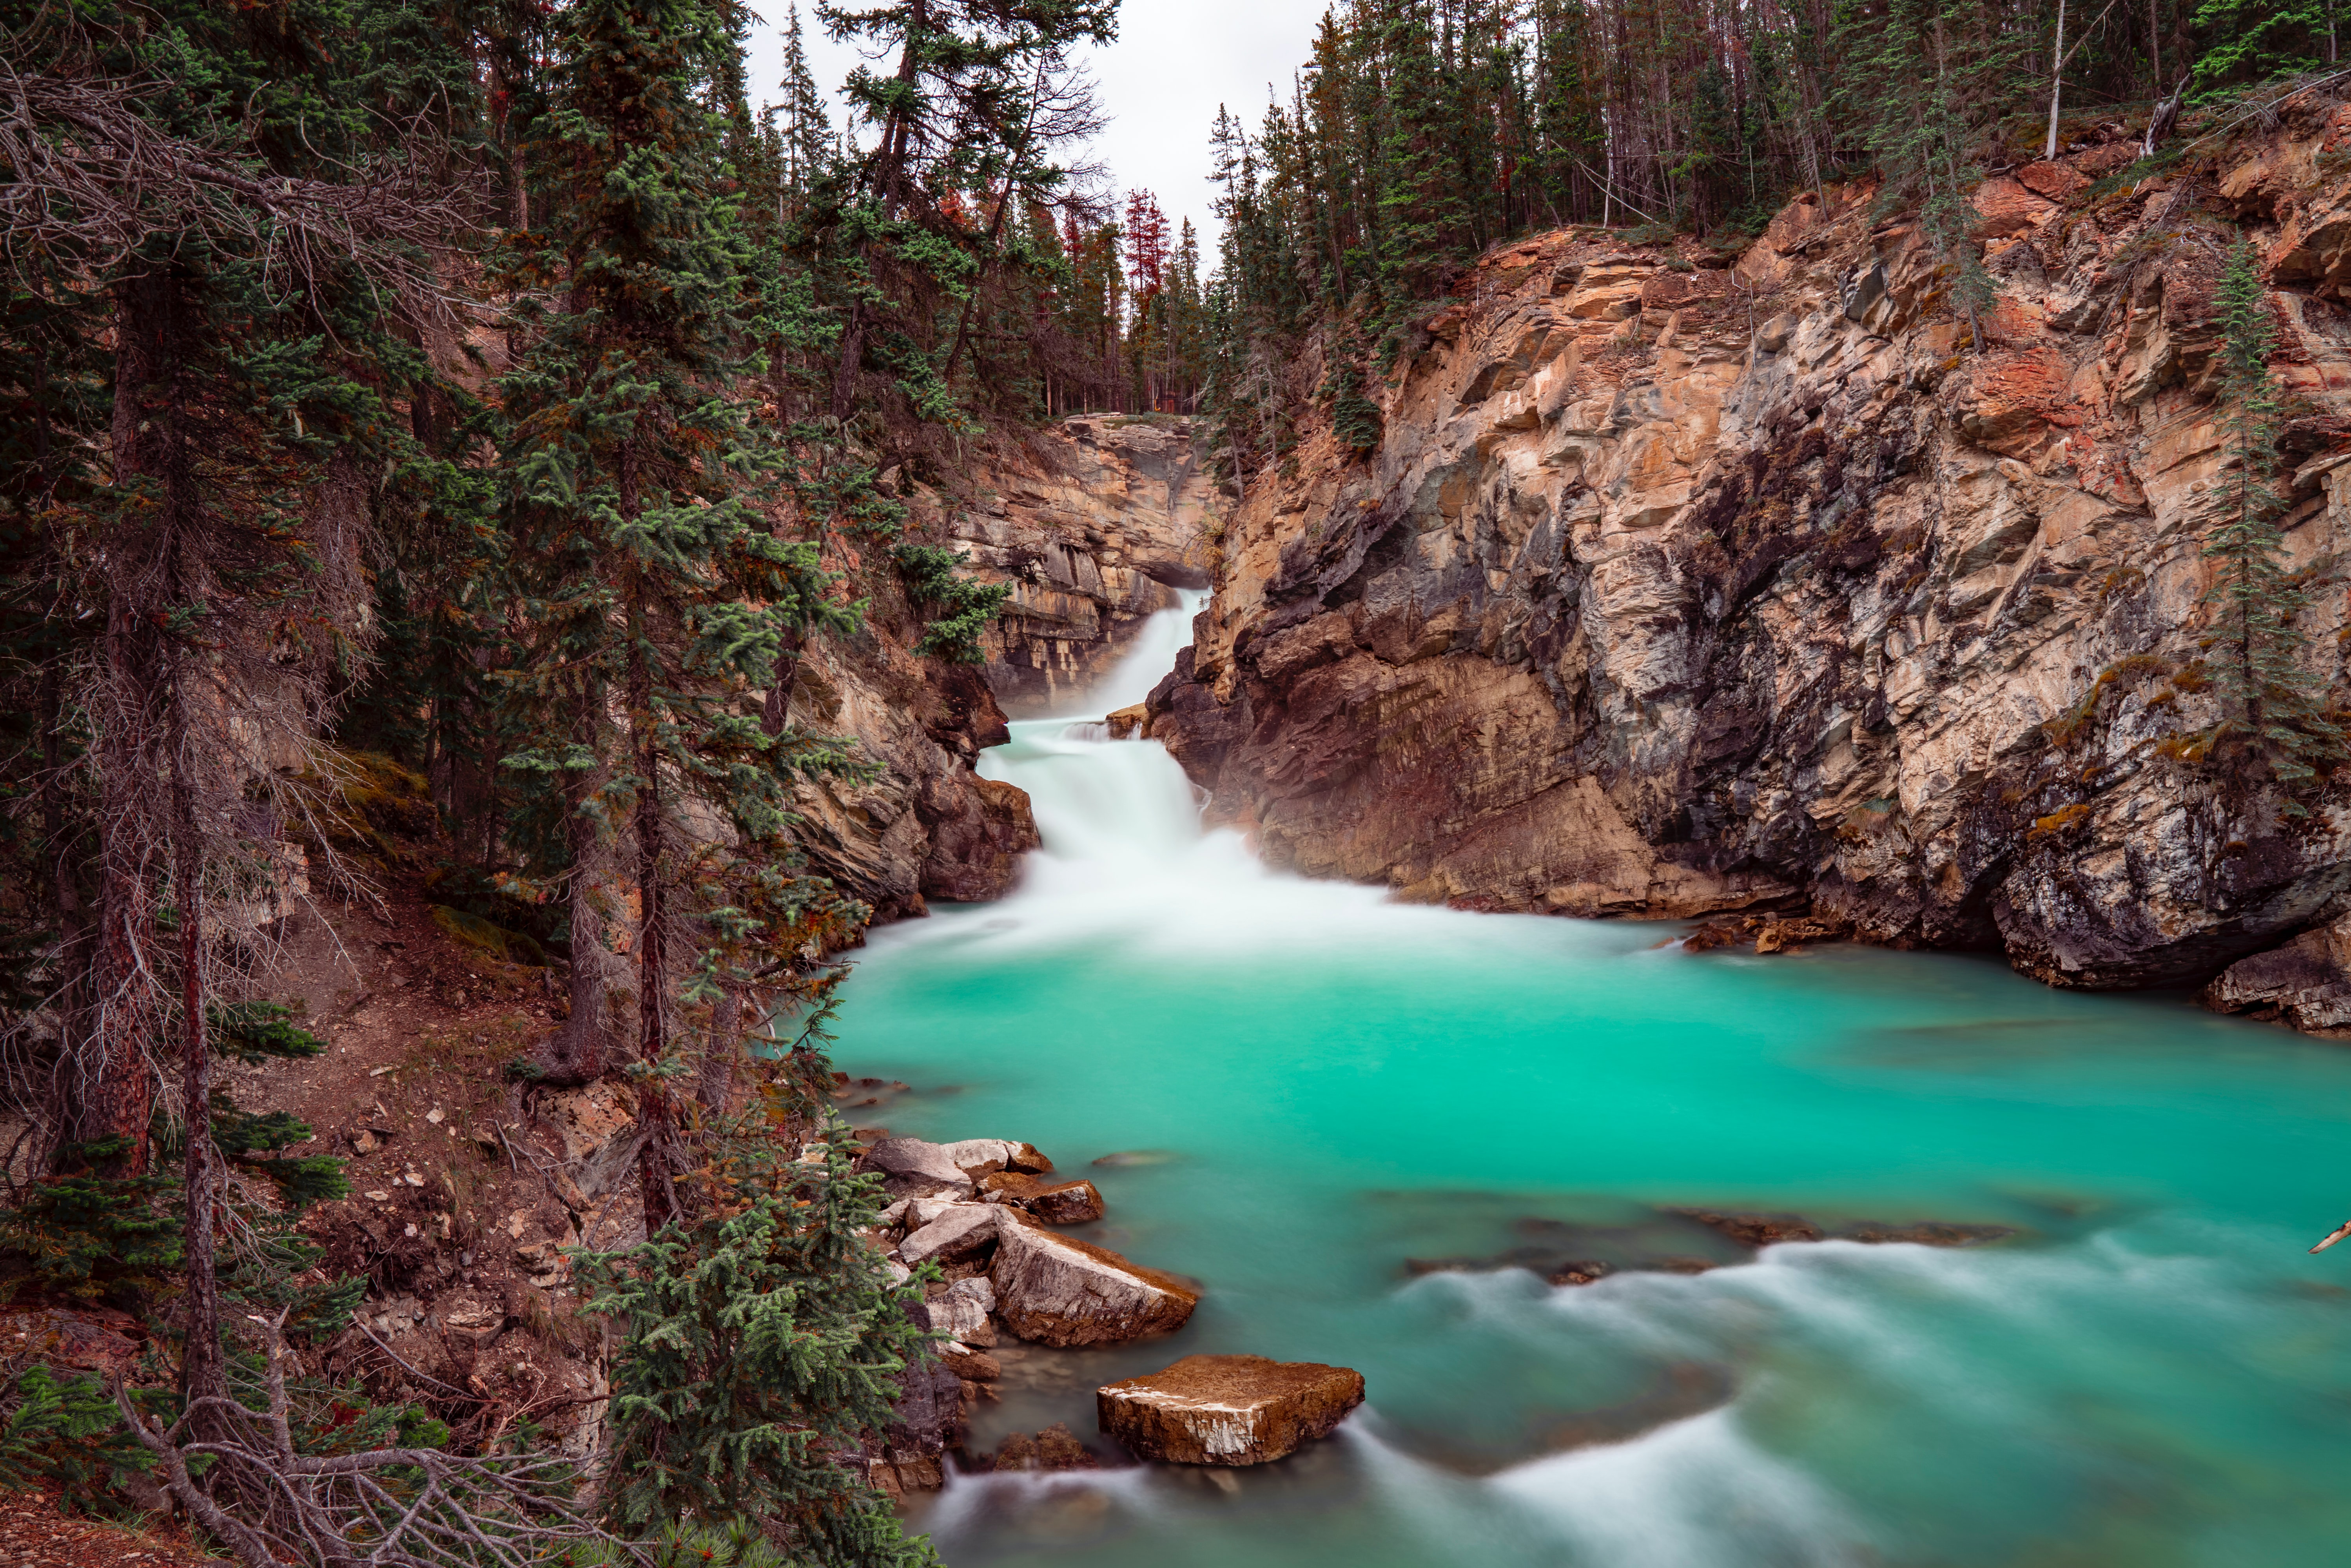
column 36, row 1532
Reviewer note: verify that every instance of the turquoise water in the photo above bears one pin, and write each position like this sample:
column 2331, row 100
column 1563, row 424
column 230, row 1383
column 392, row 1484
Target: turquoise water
column 2150, row 1373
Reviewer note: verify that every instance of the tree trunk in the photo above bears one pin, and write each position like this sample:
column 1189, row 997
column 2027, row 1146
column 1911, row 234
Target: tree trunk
column 2056, row 81
column 203, row 1374
column 111, row 1089
column 576, row 1054
column 75, row 957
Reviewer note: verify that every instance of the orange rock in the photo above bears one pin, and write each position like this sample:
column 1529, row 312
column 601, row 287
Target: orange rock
column 1227, row 1409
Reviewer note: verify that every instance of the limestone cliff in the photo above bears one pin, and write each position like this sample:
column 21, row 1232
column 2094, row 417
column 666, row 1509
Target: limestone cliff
column 1683, row 582
column 1094, row 522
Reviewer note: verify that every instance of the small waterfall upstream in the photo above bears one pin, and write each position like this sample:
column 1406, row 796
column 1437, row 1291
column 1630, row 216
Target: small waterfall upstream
column 1313, row 1091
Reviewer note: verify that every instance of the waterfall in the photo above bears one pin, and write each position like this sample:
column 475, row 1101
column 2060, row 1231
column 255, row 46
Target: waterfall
column 1126, row 854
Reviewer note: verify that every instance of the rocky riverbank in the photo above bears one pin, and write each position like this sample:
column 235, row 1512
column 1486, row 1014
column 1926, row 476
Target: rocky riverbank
column 982, row 1215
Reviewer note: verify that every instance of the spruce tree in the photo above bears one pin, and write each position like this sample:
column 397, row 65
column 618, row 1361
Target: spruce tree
column 656, row 597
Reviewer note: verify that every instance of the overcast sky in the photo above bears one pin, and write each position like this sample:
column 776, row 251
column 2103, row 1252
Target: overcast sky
column 1175, row 62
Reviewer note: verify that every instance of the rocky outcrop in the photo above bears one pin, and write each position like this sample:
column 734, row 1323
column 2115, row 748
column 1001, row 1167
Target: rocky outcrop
column 1057, row 1290
column 1227, row 1409
column 1095, row 525
column 1680, row 586
column 922, row 824
column 2307, row 983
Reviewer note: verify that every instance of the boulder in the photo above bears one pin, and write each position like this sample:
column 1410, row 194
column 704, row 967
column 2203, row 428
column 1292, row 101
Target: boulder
column 1055, row 1203
column 1130, row 723
column 965, row 1231
column 913, row 1213
column 971, row 1366
column 961, row 1312
column 1226, row 1409
column 913, row 1169
column 977, row 1158
column 1056, row 1290
column 2307, row 983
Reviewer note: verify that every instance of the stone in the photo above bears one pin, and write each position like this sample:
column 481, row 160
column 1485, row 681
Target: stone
column 973, row 1365
column 977, row 1158
column 2307, row 983
column 1055, row 1203
column 913, row 1213
column 961, row 1312
column 1130, row 723
column 1056, row 1290
column 913, row 1169
column 963, row 1232
column 1227, row 1409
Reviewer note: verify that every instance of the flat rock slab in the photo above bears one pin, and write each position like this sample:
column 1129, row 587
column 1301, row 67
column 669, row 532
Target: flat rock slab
column 964, row 1231
column 1054, row 1202
column 910, row 1167
column 1057, row 1290
column 1227, row 1409
column 975, row 1157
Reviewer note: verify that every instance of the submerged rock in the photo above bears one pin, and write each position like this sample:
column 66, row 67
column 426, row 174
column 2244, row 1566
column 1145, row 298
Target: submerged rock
column 1755, row 1229
column 1056, row 1290
column 1054, row 1448
column 1568, row 1253
column 1227, row 1409
column 1055, row 1203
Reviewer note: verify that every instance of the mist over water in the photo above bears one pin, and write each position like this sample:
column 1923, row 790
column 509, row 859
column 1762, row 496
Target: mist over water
column 1323, row 1085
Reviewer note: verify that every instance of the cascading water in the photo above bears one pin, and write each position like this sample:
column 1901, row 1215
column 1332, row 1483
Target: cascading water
column 1318, row 1087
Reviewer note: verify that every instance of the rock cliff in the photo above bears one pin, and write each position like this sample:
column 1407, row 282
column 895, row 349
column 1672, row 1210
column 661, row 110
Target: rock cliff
column 1685, row 582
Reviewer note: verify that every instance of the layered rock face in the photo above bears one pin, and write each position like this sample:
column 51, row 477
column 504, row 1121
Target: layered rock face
column 1681, row 586
column 1105, row 516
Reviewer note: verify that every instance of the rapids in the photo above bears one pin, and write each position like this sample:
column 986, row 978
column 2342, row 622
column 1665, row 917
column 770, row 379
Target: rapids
column 1323, row 1086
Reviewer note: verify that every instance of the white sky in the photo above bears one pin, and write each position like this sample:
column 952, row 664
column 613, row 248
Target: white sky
column 1160, row 83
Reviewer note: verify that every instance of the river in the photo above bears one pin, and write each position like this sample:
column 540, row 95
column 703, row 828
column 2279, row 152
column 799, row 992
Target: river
column 1321, row 1086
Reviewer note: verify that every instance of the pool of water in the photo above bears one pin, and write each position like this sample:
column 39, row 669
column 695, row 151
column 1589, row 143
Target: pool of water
column 1323, row 1087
